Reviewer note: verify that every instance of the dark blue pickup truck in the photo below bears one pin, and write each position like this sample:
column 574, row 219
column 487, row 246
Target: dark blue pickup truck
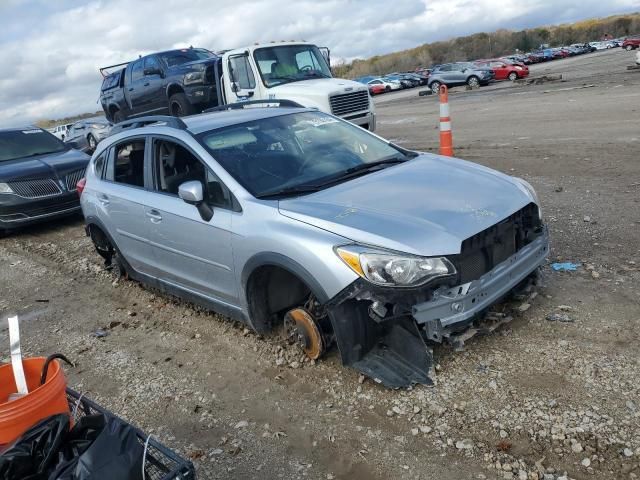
column 176, row 82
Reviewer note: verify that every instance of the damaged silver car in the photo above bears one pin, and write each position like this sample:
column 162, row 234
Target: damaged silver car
column 293, row 216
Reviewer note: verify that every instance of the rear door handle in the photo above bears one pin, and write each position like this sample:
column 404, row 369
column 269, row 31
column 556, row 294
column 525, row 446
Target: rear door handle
column 131, row 89
column 146, row 84
column 154, row 216
column 103, row 199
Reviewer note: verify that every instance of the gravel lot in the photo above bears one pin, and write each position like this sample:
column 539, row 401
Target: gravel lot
column 538, row 399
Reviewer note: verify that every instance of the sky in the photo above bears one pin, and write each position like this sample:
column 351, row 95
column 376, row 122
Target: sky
column 50, row 50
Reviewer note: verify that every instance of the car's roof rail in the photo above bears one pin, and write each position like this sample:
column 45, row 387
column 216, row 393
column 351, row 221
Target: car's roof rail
column 169, row 121
column 266, row 103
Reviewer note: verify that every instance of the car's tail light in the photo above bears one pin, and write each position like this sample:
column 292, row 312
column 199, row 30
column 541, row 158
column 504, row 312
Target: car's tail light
column 80, row 185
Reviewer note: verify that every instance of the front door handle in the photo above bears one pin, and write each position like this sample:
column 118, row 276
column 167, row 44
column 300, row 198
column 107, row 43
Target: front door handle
column 154, row 216
column 103, row 199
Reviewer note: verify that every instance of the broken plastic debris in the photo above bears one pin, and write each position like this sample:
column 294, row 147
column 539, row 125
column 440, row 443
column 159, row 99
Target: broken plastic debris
column 100, row 333
column 565, row 266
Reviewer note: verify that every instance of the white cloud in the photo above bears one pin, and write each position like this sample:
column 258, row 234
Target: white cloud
column 50, row 52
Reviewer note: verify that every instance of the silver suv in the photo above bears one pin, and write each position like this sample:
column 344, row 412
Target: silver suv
column 294, row 217
column 461, row 73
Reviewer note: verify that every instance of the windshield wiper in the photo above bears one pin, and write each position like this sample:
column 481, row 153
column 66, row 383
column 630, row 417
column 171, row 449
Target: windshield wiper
column 292, row 190
column 363, row 169
column 316, row 73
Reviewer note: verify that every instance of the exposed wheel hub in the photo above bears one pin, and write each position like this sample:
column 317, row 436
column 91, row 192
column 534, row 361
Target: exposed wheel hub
column 301, row 328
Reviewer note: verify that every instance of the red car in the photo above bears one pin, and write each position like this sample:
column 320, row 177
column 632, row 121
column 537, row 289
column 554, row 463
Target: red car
column 375, row 89
column 504, row 69
column 631, row 43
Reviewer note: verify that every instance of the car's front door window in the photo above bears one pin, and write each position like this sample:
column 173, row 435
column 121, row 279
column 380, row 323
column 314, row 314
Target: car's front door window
column 174, row 164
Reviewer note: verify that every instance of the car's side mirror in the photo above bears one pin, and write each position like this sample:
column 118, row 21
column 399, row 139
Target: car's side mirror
column 192, row 193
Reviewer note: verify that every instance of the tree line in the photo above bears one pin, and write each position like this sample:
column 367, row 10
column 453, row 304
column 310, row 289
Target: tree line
column 490, row 45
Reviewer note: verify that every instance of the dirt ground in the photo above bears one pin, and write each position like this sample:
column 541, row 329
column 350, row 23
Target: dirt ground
column 537, row 399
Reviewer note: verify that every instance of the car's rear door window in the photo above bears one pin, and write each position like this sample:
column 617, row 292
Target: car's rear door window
column 127, row 165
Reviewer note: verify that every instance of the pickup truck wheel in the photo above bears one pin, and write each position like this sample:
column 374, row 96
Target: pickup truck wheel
column 179, row 105
column 473, row 82
column 513, row 76
column 118, row 117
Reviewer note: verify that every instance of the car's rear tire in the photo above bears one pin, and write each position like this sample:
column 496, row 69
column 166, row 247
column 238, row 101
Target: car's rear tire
column 435, row 87
column 473, row 81
column 513, row 76
column 179, row 105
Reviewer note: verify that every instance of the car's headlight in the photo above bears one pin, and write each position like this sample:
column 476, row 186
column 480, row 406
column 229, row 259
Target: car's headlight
column 393, row 269
column 5, row 188
column 193, row 77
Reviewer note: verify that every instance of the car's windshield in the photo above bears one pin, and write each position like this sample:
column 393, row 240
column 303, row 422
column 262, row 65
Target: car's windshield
column 178, row 57
column 301, row 150
column 290, row 63
column 17, row 144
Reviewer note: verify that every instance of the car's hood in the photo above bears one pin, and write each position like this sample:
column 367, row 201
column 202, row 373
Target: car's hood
column 426, row 206
column 52, row 165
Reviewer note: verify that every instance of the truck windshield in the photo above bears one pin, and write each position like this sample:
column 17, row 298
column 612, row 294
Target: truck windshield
column 297, row 153
column 17, row 144
column 185, row 55
column 290, row 63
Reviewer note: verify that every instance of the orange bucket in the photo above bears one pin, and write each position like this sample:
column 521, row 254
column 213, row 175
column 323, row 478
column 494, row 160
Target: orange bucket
column 19, row 415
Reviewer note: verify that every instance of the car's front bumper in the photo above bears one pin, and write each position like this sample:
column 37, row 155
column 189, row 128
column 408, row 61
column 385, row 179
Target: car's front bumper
column 17, row 211
column 453, row 306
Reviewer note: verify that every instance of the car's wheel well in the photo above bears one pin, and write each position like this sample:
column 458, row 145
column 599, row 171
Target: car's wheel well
column 173, row 89
column 272, row 291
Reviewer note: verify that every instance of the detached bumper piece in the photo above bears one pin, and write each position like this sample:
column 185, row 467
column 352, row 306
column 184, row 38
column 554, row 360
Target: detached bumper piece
column 392, row 353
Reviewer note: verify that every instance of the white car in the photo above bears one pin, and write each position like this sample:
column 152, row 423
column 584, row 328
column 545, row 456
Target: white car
column 638, row 57
column 61, row 131
column 388, row 84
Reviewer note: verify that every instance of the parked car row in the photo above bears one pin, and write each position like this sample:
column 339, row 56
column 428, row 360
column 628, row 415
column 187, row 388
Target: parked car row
column 394, row 81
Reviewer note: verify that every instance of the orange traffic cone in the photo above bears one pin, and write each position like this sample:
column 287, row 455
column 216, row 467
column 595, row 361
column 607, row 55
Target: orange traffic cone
column 446, row 137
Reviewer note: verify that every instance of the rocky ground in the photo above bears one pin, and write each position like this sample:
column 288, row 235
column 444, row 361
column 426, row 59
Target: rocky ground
column 552, row 395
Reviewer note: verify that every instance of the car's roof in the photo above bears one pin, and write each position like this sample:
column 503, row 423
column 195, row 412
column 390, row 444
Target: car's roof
column 15, row 129
column 214, row 120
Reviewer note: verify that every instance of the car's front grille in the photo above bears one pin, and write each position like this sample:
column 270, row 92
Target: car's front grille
column 35, row 188
column 346, row 103
column 483, row 251
column 72, row 179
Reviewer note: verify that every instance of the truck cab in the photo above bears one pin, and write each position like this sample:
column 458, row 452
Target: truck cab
column 296, row 71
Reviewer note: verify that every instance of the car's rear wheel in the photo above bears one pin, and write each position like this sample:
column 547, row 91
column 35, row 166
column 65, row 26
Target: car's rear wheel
column 513, row 76
column 179, row 105
column 473, row 82
column 435, row 87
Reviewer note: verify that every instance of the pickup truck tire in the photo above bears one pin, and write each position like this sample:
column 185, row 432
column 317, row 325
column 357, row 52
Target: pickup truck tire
column 179, row 105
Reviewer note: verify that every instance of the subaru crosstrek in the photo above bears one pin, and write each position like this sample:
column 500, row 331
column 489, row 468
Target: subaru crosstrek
column 294, row 217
